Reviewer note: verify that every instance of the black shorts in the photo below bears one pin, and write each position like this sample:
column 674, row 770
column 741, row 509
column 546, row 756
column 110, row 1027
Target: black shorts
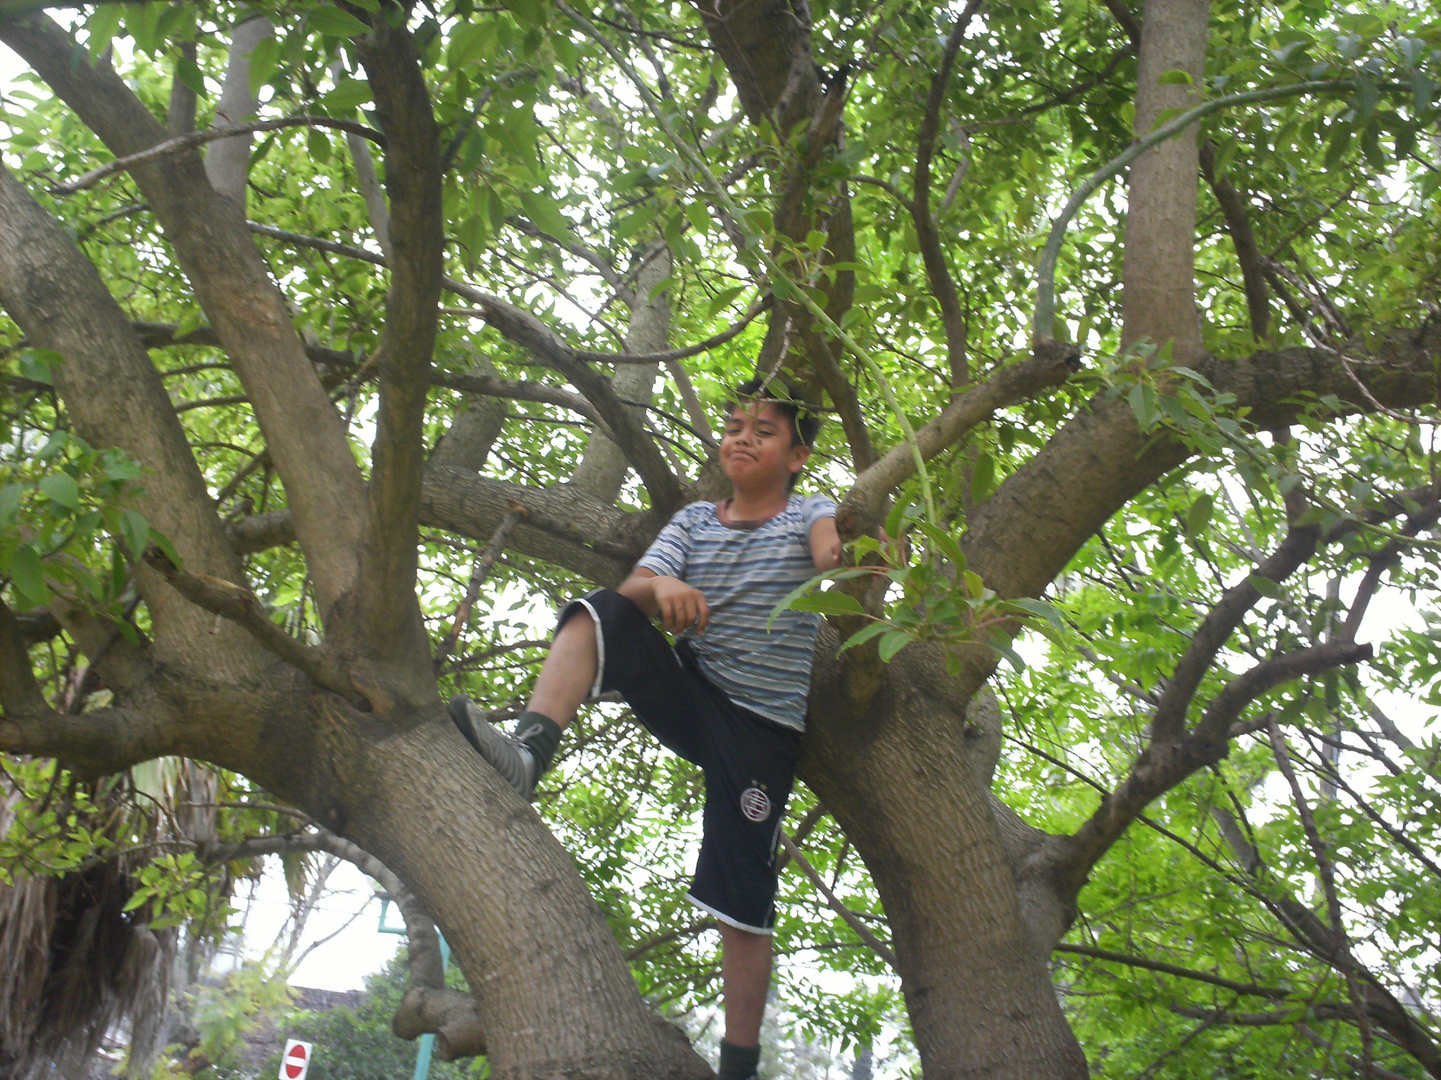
column 749, row 762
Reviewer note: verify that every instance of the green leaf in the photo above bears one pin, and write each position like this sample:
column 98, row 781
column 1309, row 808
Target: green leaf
column 828, row 603
column 318, row 143
column 56, row 444
column 264, row 61
column 348, row 95
column 102, row 27
column 331, row 20
column 545, row 215
column 1176, row 77
column 470, row 43
column 28, row 574
column 945, row 542
column 1198, row 517
column 1265, row 586
column 135, row 530
column 10, row 496
column 864, row 634
column 891, row 643
column 137, row 899
column 61, row 488
column 38, row 365
column 1003, row 646
column 699, row 215
column 982, row 476
column 723, row 300
column 188, row 72
column 160, row 540
column 1041, row 608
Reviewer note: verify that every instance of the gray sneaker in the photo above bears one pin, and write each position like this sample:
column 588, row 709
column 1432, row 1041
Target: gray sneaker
column 507, row 755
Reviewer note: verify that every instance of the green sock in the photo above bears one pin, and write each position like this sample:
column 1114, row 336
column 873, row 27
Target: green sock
column 738, row 1062
column 541, row 736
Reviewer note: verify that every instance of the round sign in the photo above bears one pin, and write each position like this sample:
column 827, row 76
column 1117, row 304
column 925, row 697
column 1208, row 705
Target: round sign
column 295, row 1062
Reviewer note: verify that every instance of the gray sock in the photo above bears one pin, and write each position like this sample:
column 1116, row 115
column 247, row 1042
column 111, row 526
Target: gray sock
column 738, row 1062
column 541, row 736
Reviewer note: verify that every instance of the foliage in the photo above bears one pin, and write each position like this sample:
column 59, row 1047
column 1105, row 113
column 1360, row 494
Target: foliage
column 357, row 1043
column 551, row 152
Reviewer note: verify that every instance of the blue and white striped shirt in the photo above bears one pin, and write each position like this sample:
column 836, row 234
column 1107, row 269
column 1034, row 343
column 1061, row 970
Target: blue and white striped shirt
column 743, row 573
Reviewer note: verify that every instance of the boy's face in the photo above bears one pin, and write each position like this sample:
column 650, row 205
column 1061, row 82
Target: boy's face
column 759, row 449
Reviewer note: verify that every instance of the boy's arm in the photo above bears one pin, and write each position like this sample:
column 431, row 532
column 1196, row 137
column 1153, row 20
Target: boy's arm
column 677, row 604
column 825, row 544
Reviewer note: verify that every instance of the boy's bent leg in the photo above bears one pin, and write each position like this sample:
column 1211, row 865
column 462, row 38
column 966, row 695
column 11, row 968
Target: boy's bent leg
column 746, row 977
column 565, row 681
column 569, row 671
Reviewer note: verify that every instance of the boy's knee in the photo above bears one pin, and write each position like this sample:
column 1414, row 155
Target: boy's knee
column 607, row 606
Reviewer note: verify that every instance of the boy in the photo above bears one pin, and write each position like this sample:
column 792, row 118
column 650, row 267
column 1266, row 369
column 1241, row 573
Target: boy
column 730, row 696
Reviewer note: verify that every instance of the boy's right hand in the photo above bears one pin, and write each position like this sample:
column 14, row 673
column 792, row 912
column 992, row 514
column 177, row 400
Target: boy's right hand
column 680, row 605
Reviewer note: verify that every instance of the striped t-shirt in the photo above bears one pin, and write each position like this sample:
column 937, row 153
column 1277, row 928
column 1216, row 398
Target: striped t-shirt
column 743, row 573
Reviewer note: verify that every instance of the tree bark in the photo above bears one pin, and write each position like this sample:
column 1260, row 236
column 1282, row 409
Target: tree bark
column 1158, row 283
column 907, row 777
column 227, row 162
column 602, row 471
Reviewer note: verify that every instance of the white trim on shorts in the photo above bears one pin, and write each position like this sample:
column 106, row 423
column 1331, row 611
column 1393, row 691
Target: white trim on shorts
column 599, row 647
column 765, row 931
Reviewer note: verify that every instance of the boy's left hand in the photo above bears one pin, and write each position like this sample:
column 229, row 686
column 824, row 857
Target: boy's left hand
column 825, row 545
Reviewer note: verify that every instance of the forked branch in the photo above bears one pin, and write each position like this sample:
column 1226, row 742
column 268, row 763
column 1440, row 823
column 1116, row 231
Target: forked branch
column 242, row 607
column 1164, row 765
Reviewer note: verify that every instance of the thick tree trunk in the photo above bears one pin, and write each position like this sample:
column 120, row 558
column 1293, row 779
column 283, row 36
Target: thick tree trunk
column 907, row 776
column 554, row 996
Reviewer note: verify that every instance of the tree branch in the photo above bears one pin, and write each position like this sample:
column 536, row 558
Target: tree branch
column 20, row 694
column 517, row 390
column 1049, row 365
column 306, row 439
column 389, row 557
column 524, row 329
column 154, row 335
column 1327, row 873
column 1164, row 765
column 428, row 1005
column 94, row 743
column 228, row 162
column 1168, row 723
column 481, row 571
column 195, row 139
column 1238, row 224
column 1046, row 270
column 943, row 286
column 1248, row 989
column 241, row 607
column 879, row 947
column 116, row 398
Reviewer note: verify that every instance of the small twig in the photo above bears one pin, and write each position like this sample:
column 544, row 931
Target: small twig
column 1327, row 874
column 879, row 947
column 483, row 564
column 200, row 138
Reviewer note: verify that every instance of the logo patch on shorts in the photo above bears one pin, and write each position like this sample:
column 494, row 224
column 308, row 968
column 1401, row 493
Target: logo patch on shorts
column 755, row 804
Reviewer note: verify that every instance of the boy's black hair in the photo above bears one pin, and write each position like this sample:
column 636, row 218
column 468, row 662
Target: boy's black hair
column 804, row 422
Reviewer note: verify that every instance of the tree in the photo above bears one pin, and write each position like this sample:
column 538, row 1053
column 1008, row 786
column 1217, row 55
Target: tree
column 547, row 166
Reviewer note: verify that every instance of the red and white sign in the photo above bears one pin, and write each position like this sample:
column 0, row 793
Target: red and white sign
column 295, row 1061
